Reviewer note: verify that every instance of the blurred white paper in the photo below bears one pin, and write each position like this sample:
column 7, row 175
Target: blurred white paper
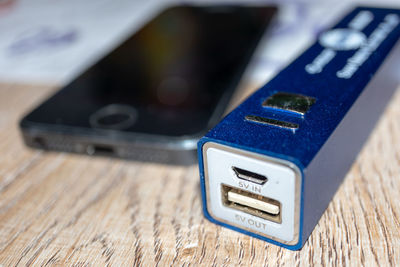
column 49, row 41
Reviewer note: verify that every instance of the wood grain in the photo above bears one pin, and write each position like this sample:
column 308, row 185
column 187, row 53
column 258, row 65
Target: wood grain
column 62, row 209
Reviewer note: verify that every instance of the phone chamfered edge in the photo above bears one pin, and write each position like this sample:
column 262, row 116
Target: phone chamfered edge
column 182, row 151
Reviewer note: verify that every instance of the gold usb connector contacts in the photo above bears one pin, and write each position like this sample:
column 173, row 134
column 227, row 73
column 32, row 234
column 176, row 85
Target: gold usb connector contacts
column 251, row 203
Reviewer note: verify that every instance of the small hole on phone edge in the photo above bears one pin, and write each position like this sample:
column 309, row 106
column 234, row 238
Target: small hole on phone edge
column 99, row 150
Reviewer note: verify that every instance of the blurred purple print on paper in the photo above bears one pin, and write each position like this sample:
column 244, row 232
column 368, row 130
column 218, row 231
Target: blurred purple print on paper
column 290, row 26
column 44, row 38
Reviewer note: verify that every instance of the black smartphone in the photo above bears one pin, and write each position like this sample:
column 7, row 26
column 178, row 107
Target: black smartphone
column 158, row 92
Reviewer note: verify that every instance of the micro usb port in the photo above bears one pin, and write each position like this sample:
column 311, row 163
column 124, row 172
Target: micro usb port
column 251, row 203
column 250, row 176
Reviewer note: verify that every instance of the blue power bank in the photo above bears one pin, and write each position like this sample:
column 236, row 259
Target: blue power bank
column 270, row 168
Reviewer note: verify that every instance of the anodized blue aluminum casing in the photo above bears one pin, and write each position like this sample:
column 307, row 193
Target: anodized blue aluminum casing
column 351, row 73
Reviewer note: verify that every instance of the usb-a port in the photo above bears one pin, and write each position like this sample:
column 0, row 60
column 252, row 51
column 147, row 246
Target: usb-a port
column 251, row 203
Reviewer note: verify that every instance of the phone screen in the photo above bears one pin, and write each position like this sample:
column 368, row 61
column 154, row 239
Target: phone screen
column 166, row 79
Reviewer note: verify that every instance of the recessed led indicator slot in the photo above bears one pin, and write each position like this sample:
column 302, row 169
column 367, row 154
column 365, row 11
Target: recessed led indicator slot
column 268, row 121
column 295, row 103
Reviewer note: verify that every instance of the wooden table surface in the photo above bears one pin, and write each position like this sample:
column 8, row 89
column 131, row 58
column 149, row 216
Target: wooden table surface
column 62, row 209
